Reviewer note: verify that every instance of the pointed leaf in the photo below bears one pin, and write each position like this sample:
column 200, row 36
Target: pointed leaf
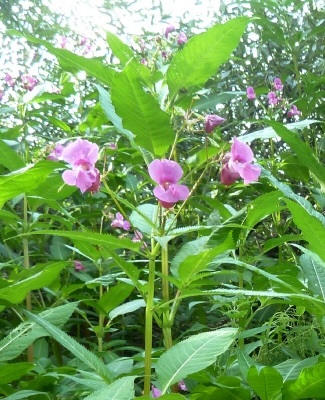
column 126, row 308
column 267, row 382
column 290, row 369
column 203, row 54
column 79, row 351
column 140, row 112
column 119, row 49
column 192, row 355
column 314, row 269
column 121, row 389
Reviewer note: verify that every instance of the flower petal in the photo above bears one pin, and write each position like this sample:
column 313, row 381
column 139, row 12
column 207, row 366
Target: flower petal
column 241, row 152
column 165, row 171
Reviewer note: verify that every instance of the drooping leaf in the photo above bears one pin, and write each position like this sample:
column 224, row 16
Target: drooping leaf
column 192, row 355
column 121, row 389
column 79, row 351
column 140, row 112
column 27, row 332
column 266, row 382
column 203, row 54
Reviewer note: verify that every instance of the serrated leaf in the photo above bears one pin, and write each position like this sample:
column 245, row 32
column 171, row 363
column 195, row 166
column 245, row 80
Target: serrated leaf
column 16, row 292
column 24, row 180
column 266, row 382
column 9, row 158
column 140, row 112
column 119, row 49
column 121, row 389
column 310, row 383
column 203, row 54
column 79, row 351
column 72, row 62
column 314, row 269
column 192, row 355
column 26, row 333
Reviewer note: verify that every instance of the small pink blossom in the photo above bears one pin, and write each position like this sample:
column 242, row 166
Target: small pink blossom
column 82, row 156
column 155, row 392
column 78, row 266
column 211, row 121
column 56, row 153
column 9, row 80
column 29, row 82
column 83, row 40
column 167, row 173
column 250, row 93
column 293, row 111
column 238, row 164
column 182, row 386
column 63, row 40
column 112, row 146
column 277, row 84
column 170, row 28
column 182, row 38
column 273, row 100
column 120, row 222
column 137, row 237
column 144, row 61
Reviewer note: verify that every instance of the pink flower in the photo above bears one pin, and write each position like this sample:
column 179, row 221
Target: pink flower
column 167, row 173
column 78, row 266
column 277, row 84
column 273, row 100
column 112, row 146
column 9, row 80
column 250, row 93
column 56, row 153
column 63, row 40
column 182, row 38
column 182, row 386
column 170, row 28
column 83, row 40
column 29, row 82
column 120, row 222
column 137, row 237
column 82, row 156
column 211, row 121
column 238, row 164
column 155, row 392
column 293, row 111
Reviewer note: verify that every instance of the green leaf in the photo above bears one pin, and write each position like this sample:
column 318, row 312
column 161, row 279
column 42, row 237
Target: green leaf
column 119, row 49
column 115, row 296
column 121, row 389
column 16, row 292
column 210, row 101
column 311, row 383
column 220, row 393
column 268, row 133
column 60, row 124
column 84, row 355
column 313, row 230
column 140, row 112
column 314, row 269
column 126, row 308
column 267, row 382
column 291, row 368
column 9, row 158
column 192, row 355
column 302, row 150
column 26, row 333
column 72, row 62
column 24, row 180
column 203, row 54
column 25, row 394
column 12, row 372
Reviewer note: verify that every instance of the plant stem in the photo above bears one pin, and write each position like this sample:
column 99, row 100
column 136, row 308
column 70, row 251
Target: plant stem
column 30, row 351
column 168, row 340
column 148, row 325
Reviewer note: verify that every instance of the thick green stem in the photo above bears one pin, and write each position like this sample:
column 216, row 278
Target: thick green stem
column 30, row 351
column 148, row 327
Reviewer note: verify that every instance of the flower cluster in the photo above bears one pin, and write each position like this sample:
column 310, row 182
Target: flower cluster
column 181, row 38
column 238, row 164
column 82, row 156
column 167, row 173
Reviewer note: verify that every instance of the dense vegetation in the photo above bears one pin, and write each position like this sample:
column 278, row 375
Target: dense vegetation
column 162, row 195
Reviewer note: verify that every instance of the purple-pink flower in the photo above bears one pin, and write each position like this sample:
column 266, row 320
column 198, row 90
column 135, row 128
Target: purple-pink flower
column 78, row 266
column 250, row 93
column 82, row 156
column 167, row 173
column 211, row 121
column 238, row 164
column 56, row 153
column 29, row 82
column 273, row 100
column 182, row 38
column 63, row 40
column 170, row 28
column 277, row 84
column 120, row 222
column 137, row 236
column 293, row 111
column 9, row 80
column 155, row 392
